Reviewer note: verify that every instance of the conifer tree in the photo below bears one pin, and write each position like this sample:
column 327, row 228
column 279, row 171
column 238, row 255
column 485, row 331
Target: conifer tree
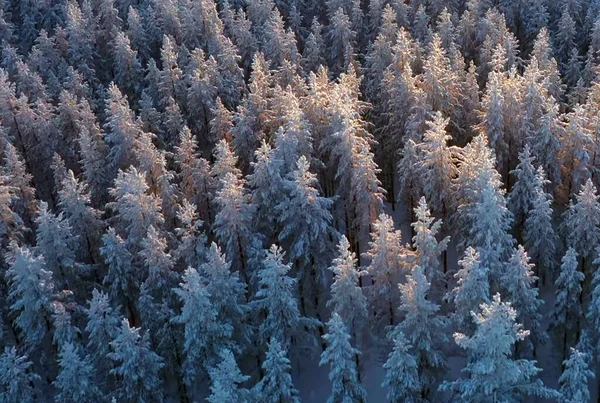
column 482, row 210
column 347, row 298
column 56, row 244
column 156, row 260
column 521, row 291
column 389, row 260
column 340, row 354
column 501, row 375
column 427, row 247
column 226, row 290
column 136, row 365
column 275, row 298
column 226, row 379
column 402, row 377
column 582, row 220
column 423, row 327
column 102, row 326
column 277, row 384
column 574, row 378
column 136, row 209
column 76, row 380
column 204, row 336
column 567, row 309
column 340, row 39
column 233, row 223
column 306, row 228
column 31, row 290
column 436, row 163
column 16, row 377
column 121, row 277
column 472, row 288
column 192, row 239
column 523, row 192
column 538, row 235
column 75, row 202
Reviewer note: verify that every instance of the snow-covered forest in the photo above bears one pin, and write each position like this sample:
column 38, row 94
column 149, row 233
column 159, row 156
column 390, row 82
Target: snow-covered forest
column 276, row 201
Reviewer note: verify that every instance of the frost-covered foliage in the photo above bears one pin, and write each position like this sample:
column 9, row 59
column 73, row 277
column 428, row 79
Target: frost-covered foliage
column 136, row 365
column 277, row 384
column 340, row 355
column 275, row 298
column 472, row 288
column 347, row 298
column 492, row 373
column 402, row 377
column 574, row 379
column 191, row 166
column 16, row 377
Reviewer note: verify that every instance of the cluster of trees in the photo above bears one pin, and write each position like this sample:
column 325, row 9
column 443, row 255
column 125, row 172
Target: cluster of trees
column 193, row 198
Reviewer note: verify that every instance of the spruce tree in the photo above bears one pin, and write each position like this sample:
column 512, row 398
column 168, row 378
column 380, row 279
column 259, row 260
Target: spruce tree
column 276, row 386
column 340, row 354
column 136, row 365
column 574, row 378
column 402, row 377
column 491, row 372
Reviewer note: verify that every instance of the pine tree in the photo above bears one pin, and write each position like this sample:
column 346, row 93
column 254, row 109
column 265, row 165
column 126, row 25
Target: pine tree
column 574, row 378
column 436, row 163
column 482, row 210
column 341, row 38
column 340, row 354
column 491, row 371
column 523, row 192
column 56, row 243
column 538, row 235
column 225, row 162
column 409, row 187
column 122, row 130
column 438, row 83
column 16, row 175
column 276, row 386
column 75, row 202
column 567, row 309
column 402, row 377
column 204, row 335
column 565, row 36
column 16, row 377
column 121, row 277
column 389, row 259
column 127, row 67
column 314, row 48
column 472, row 288
column 427, row 247
column 65, row 331
column 582, row 221
column 233, row 223
column 136, row 209
column 136, row 364
column 519, row 282
column 31, row 291
column 347, row 298
column 576, row 149
column 226, row 378
column 192, row 239
column 493, row 119
column 306, row 228
column 227, row 292
column 423, row 327
column 266, row 182
column 76, row 380
column 102, row 326
column 275, row 298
